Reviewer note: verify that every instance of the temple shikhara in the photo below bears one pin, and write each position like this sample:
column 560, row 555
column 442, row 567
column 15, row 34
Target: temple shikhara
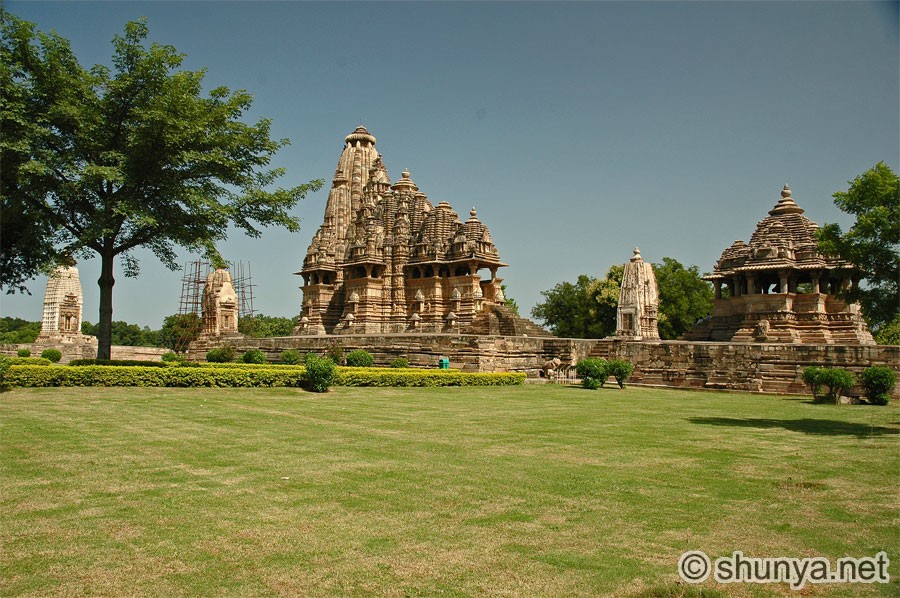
column 636, row 316
column 779, row 288
column 387, row 260
column 63, row 301
column 220, row 304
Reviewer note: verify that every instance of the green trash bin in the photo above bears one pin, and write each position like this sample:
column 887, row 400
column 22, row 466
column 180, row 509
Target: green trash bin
column 443, row 363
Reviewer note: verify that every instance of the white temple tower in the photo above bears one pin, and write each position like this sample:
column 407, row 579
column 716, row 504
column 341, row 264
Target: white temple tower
column 636, row 317
column 63, row 302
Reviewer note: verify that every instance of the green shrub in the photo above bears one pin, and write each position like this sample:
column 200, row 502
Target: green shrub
column 834, row 380
column 812, row 377
column 221, row 355
column 620, row 370
column 292, row 357
column 837, row 381
column 53, row 355
column 24, row 352
column 319, row 373
column 878, row 382
column 360, row 359
column 172, row 357
column 336, row 354
column 253, row 356
column 400, row 362
column 591, row 383
column 593, row 372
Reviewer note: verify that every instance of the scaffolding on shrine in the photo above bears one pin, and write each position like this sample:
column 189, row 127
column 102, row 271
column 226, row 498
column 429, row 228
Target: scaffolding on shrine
column 189, row 323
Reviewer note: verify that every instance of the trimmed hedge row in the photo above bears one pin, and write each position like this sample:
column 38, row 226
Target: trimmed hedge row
column 347, row 376
column 123, row 362
column 244, row 375
column 99, row 375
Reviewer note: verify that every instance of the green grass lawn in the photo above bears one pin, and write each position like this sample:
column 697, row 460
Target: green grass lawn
column 521, row 491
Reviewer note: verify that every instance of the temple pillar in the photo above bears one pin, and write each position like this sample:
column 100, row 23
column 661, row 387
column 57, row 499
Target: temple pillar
column 783, row 282
column 751, row 284
column 815, row 277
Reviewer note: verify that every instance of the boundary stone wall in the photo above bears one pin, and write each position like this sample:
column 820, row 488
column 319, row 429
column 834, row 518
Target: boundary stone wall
column 755, row 367
column 73, row 351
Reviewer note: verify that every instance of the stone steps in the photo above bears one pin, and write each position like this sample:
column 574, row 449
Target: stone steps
column 500, row 320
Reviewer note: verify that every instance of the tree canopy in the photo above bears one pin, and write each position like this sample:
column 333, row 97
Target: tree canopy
column 587, row 308
column 125, row 334
column 179, row 330
column 17, row 330
column 873, row 242
column 106, row 160
column 684, row 297
column 263, row 326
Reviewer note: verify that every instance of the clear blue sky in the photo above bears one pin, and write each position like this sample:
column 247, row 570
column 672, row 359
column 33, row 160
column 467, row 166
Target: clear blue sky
column 578, row 130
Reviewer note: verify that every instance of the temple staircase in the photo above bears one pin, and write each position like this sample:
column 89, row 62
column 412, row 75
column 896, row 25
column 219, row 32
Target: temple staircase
column 500, row 320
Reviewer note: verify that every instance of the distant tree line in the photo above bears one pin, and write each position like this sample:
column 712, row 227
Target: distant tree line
column 177, row 330
column 16, row 330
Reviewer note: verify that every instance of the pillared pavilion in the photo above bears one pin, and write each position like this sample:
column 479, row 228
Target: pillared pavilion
column 780, row 288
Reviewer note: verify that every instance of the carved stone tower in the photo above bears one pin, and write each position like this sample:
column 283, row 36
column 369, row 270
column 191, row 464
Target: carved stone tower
column 220, row 304
column 63, row 302
column 636, row 317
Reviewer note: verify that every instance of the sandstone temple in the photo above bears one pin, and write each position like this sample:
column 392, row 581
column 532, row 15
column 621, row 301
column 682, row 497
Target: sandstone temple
column 779, row 288
column 63, row 303
column 638, row 310
column 386, row 260
column 220, row 304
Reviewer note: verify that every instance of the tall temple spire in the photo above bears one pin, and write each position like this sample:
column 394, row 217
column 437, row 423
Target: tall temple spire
column 350, row 178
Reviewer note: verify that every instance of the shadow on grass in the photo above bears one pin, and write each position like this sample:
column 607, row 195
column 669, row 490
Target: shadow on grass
column 819, row 427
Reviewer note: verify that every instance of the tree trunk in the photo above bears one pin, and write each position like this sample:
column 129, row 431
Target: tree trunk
column 106, row 282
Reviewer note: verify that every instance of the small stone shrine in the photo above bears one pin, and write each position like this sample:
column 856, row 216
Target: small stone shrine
column 636, row 316
column 220, row 304
column 386, row 260
column 63, row 301
column 779, row 289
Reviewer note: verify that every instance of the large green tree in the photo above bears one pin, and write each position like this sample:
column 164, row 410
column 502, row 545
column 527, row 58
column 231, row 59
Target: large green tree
column 684, row 297
column 873, row 242
column 106, row 160
column 585, row 309
column 179, row 330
